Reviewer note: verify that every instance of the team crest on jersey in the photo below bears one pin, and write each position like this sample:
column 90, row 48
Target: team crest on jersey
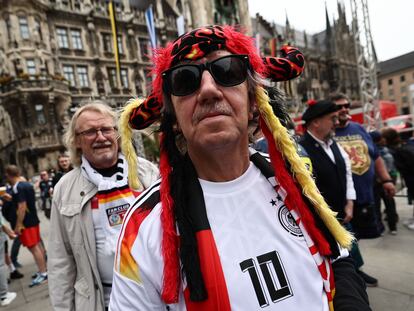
column 288, row 222
column 116, row 214
column 358, row 153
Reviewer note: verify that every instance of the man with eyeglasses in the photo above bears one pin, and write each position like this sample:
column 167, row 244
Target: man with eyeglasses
column 88, row 208
column 226, row 228
column 365, row 163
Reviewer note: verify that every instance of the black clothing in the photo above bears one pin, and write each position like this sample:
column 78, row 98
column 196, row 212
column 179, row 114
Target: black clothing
column 329, row 177
column 24, row 192
column 350, row 293
column 403, row 159
column 44, row 187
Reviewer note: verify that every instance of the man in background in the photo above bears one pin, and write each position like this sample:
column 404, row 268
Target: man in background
column 45, row 186
column 365, row 165
column 27, row 222
column 88, row 208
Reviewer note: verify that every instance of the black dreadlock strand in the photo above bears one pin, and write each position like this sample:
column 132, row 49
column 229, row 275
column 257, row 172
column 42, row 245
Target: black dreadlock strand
column 178, row 181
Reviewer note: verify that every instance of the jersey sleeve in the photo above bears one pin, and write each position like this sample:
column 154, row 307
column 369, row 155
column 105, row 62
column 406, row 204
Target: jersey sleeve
column 128, row 295
column 350, row 289
column 21, row 195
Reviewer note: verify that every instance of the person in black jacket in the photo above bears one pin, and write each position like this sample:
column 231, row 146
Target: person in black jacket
column 331, row 168
column 403, row 154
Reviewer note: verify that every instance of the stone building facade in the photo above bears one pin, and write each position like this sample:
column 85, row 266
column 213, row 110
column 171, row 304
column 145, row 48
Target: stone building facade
column 57, row 54
column 396, row 82
column 330, row 58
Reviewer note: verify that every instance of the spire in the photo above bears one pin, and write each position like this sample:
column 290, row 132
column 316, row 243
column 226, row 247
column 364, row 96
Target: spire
column 288, row 30
column 328, row 23
column 287, row 20
column 339, row 8
column 305, row 38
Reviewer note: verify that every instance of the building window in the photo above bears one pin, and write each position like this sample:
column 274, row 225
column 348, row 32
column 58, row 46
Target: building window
column 9, row 30
column 77, row 5
column 38, row 29
column 40, row 114
column 65, row 3
column 69, row 75
column 112, row 78
column 24, row 28
column 120, row 46
column 403, row 89
column 62, row 35
column 389, row 81
column 76, row 39
column 402, row 78
column 390, row 92
column 107, row 42
column 404, row 99
column 124, row 78
column 145, row 48
column 31, row 66
column 83, row 76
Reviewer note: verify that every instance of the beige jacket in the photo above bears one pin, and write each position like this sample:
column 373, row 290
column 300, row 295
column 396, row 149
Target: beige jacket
column 74, row 281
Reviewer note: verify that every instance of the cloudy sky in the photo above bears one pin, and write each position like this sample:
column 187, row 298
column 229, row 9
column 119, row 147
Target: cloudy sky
column 391, row 21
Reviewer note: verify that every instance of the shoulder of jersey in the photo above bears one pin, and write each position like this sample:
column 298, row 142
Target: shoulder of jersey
column 148, row 199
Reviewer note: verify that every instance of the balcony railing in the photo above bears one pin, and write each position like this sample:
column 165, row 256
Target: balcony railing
column 28, row 82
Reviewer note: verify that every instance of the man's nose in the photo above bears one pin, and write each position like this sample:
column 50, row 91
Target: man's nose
column 208, row 88
column 100, row 136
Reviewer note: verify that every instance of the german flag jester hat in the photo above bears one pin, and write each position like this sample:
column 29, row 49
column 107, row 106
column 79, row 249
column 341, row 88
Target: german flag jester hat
column 290, row 171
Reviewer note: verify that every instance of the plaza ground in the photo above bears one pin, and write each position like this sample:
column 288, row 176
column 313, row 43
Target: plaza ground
column 389, row 258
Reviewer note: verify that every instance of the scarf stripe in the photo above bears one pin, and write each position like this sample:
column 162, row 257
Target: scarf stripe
column 214, row 281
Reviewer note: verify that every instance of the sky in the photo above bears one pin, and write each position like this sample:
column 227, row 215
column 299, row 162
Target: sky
column 391, row 21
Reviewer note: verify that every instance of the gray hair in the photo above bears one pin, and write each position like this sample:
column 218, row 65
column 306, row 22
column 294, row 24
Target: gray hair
column 69, row 137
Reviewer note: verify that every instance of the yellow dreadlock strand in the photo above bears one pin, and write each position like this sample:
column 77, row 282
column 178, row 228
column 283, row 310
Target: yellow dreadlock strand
column 288, row 150
column 127, row 147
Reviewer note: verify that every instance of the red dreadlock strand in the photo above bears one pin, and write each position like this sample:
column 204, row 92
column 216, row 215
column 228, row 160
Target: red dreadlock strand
column 171, row 279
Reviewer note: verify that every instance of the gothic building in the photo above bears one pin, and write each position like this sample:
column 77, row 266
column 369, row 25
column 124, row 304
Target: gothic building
column 330, row 58
column 57, row 54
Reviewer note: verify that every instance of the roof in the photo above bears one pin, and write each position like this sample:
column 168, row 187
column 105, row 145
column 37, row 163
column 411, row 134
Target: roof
column 396, row 64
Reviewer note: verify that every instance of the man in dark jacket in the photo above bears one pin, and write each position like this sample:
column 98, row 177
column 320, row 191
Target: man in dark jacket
column 331, row 168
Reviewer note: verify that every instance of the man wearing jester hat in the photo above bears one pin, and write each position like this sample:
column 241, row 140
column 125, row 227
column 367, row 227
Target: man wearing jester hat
column 226, row 228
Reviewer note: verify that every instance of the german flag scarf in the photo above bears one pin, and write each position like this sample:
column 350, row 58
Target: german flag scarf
column 113, row 198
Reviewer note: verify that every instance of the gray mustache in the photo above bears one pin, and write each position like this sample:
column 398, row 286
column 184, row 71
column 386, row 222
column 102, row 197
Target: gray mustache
column 105, row 144
column 203, row 110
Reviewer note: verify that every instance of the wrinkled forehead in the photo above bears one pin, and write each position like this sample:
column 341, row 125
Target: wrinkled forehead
column 197, row 44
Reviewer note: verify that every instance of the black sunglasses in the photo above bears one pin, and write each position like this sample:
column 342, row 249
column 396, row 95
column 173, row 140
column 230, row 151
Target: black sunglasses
column 346, row 105
column 183, row 80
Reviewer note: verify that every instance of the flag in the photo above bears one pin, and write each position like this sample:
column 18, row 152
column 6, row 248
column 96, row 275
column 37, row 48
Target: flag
column 272, row 45
column 180, row 25
column 149, row 17
column 115, row 40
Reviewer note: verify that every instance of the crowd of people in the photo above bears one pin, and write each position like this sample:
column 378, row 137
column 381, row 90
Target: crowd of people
column 234, row 190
